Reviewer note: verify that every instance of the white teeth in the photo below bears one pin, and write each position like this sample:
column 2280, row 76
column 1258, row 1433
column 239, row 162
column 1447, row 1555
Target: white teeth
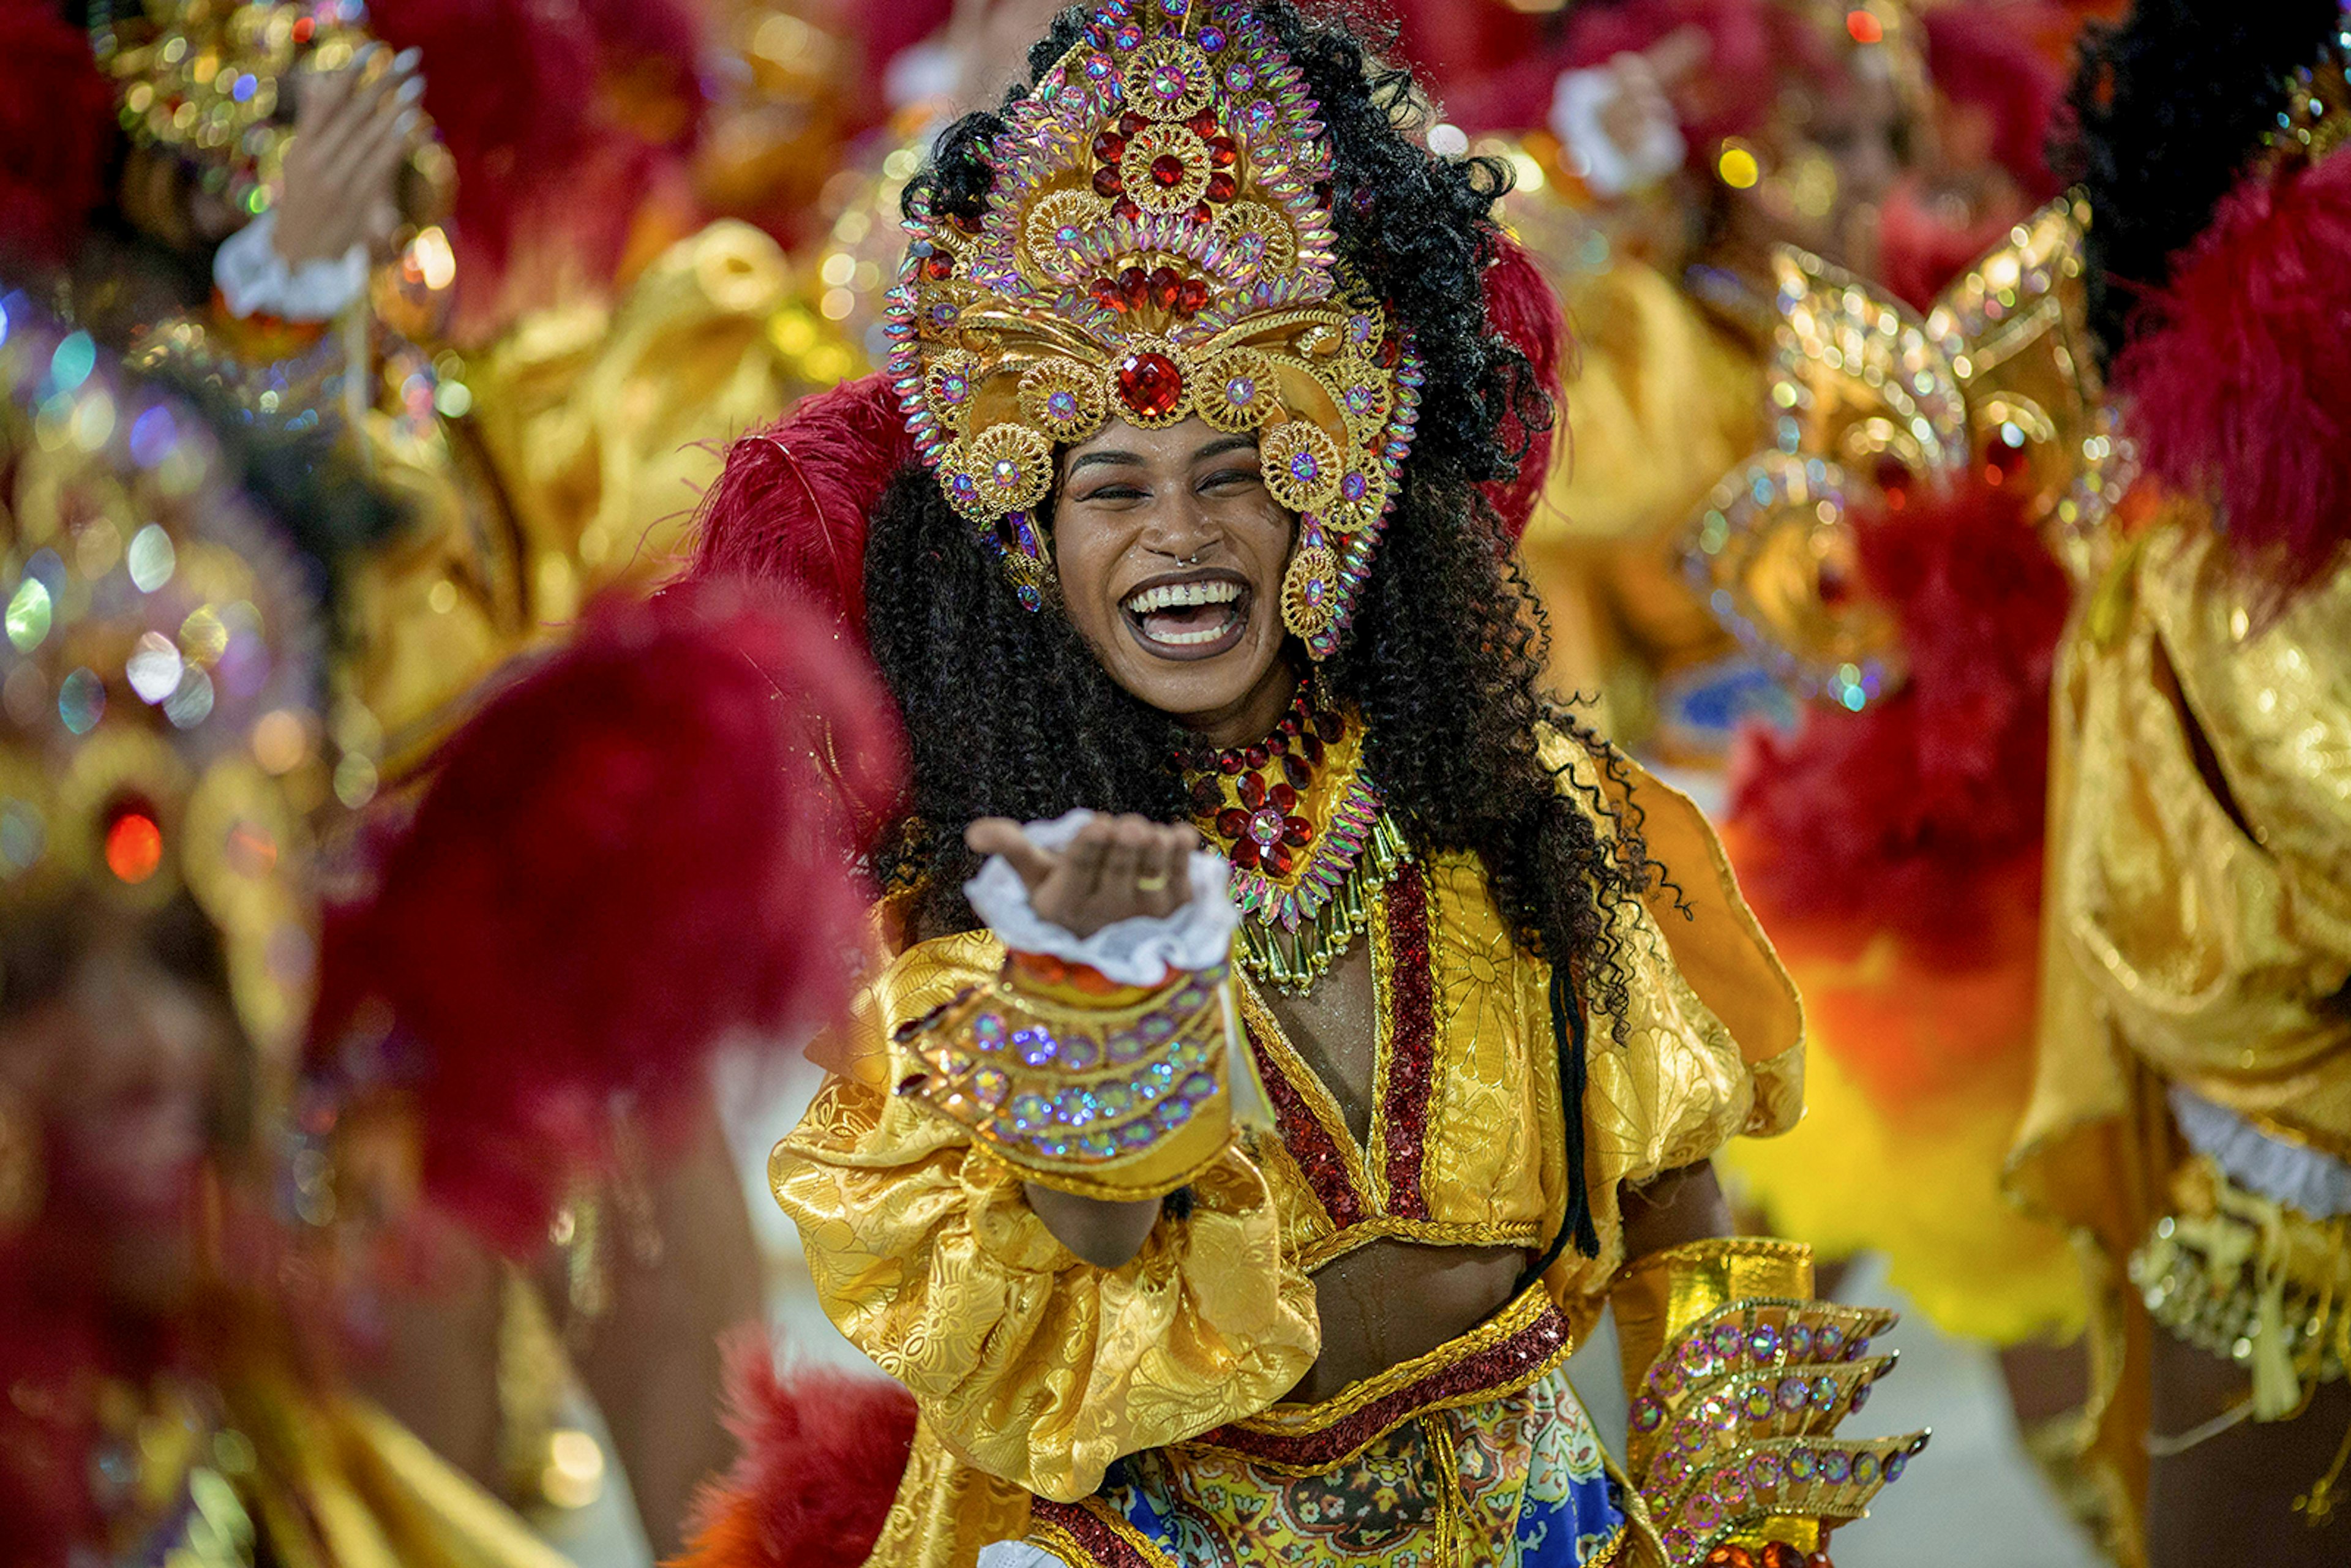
column 1179, row 595
column 1184, row 639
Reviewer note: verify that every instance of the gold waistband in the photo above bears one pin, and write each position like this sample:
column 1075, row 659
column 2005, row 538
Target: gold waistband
column 1509, row 1351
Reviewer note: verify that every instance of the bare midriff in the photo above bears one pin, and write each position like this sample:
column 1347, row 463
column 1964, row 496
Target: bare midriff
column 1391, row 1300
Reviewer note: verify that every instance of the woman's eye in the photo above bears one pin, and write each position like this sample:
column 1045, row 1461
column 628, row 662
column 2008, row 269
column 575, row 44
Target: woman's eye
column 1231, row 478
column 1114, row 493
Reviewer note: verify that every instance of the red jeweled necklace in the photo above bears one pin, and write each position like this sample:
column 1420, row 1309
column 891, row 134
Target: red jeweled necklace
column 1303, row 827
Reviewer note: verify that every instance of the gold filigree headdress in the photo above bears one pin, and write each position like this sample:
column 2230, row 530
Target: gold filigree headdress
column 1157, row 244
column 1871, row 405
column 158, row 674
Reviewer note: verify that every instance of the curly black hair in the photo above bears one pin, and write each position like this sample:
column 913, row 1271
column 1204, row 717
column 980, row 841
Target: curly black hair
column 1009, row 713
column 2167, row 108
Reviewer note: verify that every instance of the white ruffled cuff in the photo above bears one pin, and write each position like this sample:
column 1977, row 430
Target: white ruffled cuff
column 2300, row 1177
column 1577, row 101
column 1141, row 951
column 254, row 279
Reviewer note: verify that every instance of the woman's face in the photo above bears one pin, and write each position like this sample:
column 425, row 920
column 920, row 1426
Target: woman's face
column 1170, row 553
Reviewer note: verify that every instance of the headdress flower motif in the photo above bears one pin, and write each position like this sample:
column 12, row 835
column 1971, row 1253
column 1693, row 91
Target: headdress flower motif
column 1871, row 403
column 1157, row 244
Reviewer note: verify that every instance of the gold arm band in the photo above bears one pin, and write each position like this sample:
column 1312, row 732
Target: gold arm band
column 1117, row 1102
column 1659, row 1296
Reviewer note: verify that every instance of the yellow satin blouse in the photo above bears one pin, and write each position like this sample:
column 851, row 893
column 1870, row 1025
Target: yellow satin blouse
column 2198, row 926
column 1033, row 1371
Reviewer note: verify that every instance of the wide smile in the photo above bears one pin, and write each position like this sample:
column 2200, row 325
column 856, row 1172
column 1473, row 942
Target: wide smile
column 1190, row 615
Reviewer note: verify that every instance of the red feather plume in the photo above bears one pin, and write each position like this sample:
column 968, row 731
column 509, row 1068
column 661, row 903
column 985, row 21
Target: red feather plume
column 1522, row 307
column 792, row 503
column 57, row 130
column 636, row 848
column 823, row 1452
column 2235, row 387
column 1906, row 813
column 559, row 118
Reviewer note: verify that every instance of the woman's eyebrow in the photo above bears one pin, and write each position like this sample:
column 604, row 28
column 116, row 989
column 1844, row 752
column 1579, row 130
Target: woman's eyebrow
column 1107, row 458
column 1227, row 443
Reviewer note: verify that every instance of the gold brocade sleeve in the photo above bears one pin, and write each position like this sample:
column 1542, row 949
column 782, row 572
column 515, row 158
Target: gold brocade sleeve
column 1034, row 1366
column 1713, row 1047
column 2199, row 912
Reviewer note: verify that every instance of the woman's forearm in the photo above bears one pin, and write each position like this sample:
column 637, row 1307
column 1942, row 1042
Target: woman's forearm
column 1107, row 1235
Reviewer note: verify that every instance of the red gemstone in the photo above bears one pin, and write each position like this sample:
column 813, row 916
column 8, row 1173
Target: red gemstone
column 1279, row 857
column 1228, row 762
column 1819, row 1559
column 1329, row 724
column 1389, row 353
column 936, row 268
column 1277, row 743
column 1129, row 123
column 1730, row 1556
column 1107, row 182
column 1232, row 821
column 1150, row 384
column 1255, row 755
column 1110, row 147
column 1136, row 284
column 1222, row 154
column 1252, row 790
column 1779, row 1554
column 1244, row 854
column 1294, row 768
column 1298, row 832
column 1313, row 749
column 1222, row 187
column 1168, row 171
column 1192, row 297
column 1165, row 286
column 1201, row 214
column 1288, row 725
column 1893, row 481
column 1203, row 125
column 1106, row 294
column 1205, row 796
column 1283, row 797
column 1124, row 207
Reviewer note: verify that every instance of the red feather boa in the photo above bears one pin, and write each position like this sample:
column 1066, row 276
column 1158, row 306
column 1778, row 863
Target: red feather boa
column 822, row 1454
column 626, row 854
column 2236, row 390
column 1906, row 813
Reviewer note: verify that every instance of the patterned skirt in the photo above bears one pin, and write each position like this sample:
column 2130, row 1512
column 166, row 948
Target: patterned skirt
column 1476, row 1454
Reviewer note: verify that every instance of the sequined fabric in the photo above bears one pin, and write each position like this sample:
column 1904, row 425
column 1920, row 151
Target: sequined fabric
column 2200, row 906
column 1035, row 1372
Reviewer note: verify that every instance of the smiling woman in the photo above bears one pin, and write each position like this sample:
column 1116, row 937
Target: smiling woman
column 1240, row 1208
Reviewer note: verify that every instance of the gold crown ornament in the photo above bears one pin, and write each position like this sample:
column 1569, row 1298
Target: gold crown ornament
column 158, row 674
column 1873, row 406
column 212, row 80
column 1158, row 243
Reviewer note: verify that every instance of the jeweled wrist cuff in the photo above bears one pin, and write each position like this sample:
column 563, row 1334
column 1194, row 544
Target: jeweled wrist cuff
column 1737, row 1398
column 1121, row 1098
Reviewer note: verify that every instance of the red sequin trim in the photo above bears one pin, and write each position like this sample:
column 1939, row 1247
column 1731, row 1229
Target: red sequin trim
column 1090, row 1533
column 1411, row 1042
column 1310, row 1143
column 1487, row 1373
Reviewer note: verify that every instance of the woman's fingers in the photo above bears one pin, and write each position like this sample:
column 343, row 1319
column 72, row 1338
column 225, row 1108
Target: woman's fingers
column 1002, row 836
column 1167, row 880
column 1121, row 866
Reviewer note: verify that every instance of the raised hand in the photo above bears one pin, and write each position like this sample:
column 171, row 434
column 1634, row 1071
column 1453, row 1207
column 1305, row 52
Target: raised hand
column 352, row 130
column 1114, row 869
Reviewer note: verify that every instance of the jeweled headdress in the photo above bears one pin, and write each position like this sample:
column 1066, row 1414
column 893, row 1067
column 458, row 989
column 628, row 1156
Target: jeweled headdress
column 158, row 674
column 1158, row 244
column 1873, row 404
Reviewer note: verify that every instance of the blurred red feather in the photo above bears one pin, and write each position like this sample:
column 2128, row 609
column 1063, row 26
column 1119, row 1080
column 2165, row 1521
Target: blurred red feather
column 638, row 847
column 56, row 131
column 2235, row 386
column 1522, row 307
